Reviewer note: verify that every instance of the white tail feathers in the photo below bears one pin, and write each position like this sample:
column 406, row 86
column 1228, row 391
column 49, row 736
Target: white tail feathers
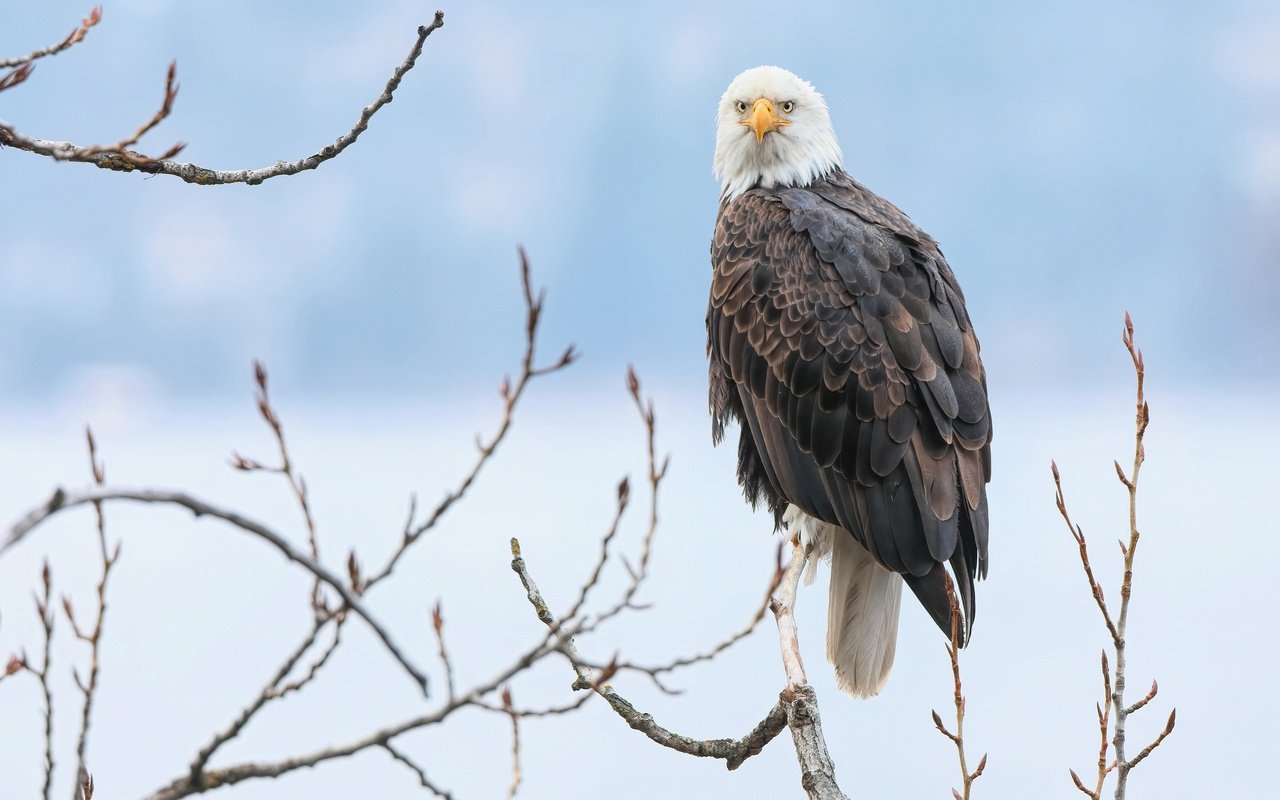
column 862, row 616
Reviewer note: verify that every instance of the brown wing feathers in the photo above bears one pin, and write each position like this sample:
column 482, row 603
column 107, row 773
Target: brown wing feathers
column 840, row 342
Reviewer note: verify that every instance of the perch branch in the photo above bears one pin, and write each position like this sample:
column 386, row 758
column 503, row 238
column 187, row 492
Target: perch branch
column 817, row 770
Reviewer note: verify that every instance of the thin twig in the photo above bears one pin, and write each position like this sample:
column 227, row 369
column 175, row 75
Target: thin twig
column 655, row 476
column 953, row 652
column 733, row 752
column 84, row 785
column 516, row 776
column 511, row 395
column 297, row 485
column 1077, row 533
column 184, row 786
column 124, row 160
column 15, row 77
column 417, row 771
column 1112, row 712
column 94, row 637
column 44, row 609
column 437, row 625
column 76, row 36
column 624, row 495
column 269, row 692
column 655, row 672
column 529, row 713
column 62, row 500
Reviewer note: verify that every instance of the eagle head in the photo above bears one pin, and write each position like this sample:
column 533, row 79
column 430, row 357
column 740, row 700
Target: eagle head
column 772, row 128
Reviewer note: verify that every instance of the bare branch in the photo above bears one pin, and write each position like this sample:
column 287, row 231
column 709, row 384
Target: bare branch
column 418, row 771
column 15, row 77
column 185, row 786
column 511, row 398
column 296, row 484
column 655, row 476
column 121, row 147
column 124, row 160
column 817, row 770
column 268, row 693
column 62, row 500
column 1113, row 707
column 93, row 638
column 1142, row 418
column 1078, row 535
column 84, row 785
column 1146, row 751
column 76, row 36
column 1151, row 695
column 529, row 713
column 953, row 652
column 44, row 610
column 509, row 708
column 624, row 494
column 655, row 672
column 437, row 625
column 734, row 752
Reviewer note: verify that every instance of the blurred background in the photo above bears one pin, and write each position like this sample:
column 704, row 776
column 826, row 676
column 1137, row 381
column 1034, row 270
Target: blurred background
column 1074, row 159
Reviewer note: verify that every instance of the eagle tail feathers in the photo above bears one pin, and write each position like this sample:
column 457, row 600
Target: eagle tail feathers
column 862, row 617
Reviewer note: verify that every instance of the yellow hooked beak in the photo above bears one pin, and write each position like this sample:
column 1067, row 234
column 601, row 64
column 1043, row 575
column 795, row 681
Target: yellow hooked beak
column 762, row 119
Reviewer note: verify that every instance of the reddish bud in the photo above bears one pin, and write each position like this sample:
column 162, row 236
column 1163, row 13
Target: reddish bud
column 353, row 571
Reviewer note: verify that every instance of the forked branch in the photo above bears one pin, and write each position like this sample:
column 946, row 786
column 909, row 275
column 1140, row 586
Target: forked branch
column 1112, row 713
column 797, row 706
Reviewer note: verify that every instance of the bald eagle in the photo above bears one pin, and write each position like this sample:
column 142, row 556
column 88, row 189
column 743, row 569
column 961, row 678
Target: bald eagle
column 839, row 342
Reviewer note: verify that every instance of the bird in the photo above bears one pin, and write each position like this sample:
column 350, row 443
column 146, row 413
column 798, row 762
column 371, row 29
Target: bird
column 839, row 342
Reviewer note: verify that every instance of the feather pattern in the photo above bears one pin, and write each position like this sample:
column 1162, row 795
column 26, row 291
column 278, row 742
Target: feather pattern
column 839, row 341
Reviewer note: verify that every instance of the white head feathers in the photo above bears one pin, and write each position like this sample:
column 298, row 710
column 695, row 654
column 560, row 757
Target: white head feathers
column 772, row 128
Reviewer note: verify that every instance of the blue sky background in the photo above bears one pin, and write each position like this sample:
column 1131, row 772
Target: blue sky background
column 1074, row 160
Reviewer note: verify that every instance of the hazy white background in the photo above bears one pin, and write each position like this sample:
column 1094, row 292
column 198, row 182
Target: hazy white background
column 1075, row 160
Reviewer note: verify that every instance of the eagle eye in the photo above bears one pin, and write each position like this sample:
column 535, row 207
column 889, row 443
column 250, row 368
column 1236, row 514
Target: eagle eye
column 788, row 106
column 740, row 106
